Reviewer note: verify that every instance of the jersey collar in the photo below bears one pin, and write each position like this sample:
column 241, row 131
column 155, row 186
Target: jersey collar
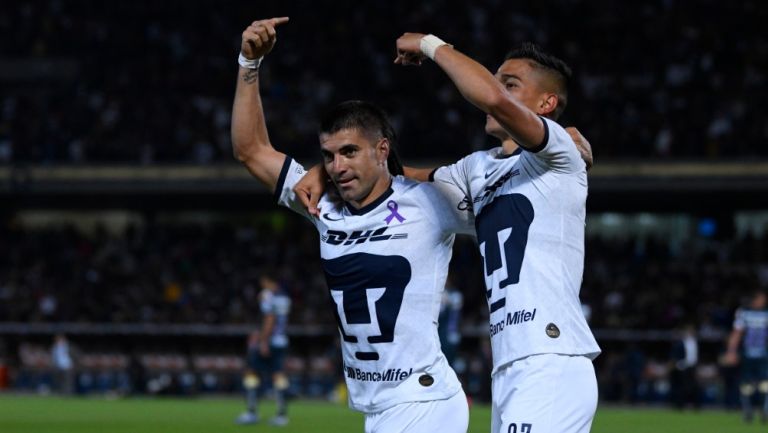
column 372, row 205
column 502, row 155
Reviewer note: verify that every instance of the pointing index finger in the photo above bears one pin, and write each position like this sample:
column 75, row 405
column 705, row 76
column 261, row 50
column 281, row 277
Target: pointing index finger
column 279, row 20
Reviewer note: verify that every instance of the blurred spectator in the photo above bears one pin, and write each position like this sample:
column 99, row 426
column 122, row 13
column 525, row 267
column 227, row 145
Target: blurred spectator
column 684, row 383
column 139, row 83
column 62, row 362
column 207, row 273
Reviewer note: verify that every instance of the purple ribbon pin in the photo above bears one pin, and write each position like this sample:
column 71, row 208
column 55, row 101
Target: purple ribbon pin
column 392, row 206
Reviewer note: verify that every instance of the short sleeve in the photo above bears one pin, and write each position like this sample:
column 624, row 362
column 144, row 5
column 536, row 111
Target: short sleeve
column 291, row 173
column 558, row 151
column 452, row 182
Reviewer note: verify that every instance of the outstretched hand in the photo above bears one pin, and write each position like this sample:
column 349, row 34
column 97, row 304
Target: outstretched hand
column 260, row 37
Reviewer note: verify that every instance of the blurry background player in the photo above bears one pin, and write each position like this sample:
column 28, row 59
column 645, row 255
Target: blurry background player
column 748, row 345
column 266, row 352
column 63, row 364
column 449, row 321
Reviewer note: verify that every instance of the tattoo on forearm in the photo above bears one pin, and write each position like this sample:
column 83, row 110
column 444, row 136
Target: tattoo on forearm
column 251, row 76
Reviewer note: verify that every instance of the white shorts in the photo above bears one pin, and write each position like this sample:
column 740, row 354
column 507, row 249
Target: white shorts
column 445, row 416
column 545, row 393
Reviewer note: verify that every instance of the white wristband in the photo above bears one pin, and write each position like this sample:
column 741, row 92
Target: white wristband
column 429, row 44
column 248, row 63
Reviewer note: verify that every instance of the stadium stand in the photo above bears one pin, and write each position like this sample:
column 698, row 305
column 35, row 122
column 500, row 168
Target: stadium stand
column 139, row 83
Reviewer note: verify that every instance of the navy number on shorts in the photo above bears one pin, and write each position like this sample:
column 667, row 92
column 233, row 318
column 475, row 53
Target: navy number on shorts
column 368, row 291
column 524, row 428
column 502, row 230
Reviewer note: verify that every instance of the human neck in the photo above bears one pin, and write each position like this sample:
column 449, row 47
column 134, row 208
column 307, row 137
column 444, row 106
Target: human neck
column 509, row 146
column 379, row 188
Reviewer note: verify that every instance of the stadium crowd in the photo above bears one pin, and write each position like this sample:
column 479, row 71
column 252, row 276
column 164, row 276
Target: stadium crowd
column 195, row 273
column 151, row 82
column 175, row 273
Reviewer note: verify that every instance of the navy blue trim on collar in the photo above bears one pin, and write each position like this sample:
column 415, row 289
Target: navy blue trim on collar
column 432, row 174
column 281, row 179
column 544, row 142
column 503, row 155
column 372, row 205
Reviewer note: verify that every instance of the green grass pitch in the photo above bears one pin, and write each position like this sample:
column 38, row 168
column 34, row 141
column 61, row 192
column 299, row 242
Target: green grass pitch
column 34, row 414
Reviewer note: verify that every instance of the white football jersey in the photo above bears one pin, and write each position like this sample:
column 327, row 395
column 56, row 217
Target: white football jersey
column 530, row 210
column 386, row 265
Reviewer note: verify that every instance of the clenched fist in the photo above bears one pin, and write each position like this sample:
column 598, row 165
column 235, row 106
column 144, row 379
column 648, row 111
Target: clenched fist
column 409, row 49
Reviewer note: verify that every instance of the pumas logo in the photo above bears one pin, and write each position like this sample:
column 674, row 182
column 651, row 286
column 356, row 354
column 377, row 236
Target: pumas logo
column 338, row 237
column 328, row 217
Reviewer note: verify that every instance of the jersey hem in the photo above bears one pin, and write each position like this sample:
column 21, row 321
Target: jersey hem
column 508, row 363
column 381, row 407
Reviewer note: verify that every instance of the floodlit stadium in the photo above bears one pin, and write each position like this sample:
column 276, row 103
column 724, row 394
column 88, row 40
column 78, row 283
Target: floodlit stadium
column 159, row 272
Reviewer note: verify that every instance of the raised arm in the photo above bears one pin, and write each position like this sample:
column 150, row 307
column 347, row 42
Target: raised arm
column 250, row 141
column 477, row 84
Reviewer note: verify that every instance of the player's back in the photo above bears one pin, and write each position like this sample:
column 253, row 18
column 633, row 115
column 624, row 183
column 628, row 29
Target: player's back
column 386, row 265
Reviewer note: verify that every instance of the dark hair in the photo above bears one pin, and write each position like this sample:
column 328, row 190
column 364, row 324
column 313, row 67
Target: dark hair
column 367, row 118
column 549, row 64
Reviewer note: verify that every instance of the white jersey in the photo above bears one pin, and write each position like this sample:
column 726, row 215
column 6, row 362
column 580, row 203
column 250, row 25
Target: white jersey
column 530, row 210
column 279, row 304
column 386, row 266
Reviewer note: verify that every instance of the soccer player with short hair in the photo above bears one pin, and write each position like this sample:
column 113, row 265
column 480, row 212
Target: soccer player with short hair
column 748, row 345
column 385, row 248
column 266, row 351
column 529, row 200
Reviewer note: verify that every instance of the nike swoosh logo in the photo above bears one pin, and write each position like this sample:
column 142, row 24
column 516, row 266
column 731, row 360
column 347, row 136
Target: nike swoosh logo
column 487, row 174
column 328, row 217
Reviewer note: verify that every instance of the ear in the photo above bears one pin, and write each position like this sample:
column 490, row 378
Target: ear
column 548, row 104
column 382, row 151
